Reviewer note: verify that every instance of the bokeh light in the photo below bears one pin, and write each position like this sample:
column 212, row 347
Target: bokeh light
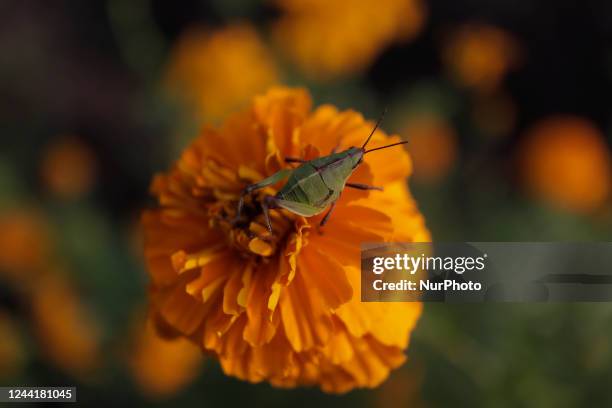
column 566, row 161
column 68, row 168
column 162, row 366
column 329, row 39
column 433, row 146
column 217, row 71
column 479, row 56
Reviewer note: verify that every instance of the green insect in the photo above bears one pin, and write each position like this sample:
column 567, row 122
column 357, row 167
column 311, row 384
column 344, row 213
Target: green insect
column 314, row 184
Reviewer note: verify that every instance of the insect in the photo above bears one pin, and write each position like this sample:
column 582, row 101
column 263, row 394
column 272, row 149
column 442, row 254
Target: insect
column 315, row 184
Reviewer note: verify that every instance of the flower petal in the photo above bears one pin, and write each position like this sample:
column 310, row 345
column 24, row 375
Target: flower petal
column 325, row 275
column 260, row 328
column 305, row 320
column 282, row 111
column 179, row 309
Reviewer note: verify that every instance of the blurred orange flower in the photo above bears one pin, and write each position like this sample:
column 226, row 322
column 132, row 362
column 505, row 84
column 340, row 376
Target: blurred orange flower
column 433, row 147
column 566, row 161
column 215, row 72
column 162, row 367
column 68, row 168
column 480, row 56
column 283, row 308
column 330, row 38
column 24, row 243
column 68, row 335
column 12, row 353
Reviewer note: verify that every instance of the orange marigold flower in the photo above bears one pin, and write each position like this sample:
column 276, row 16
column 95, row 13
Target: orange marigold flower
column 68, row 168
column 433, row 146
column 330, row 38
column 566, row 161
column 162, row 367
column 480, row 56
column 68, row 334
column 216, row 72
column 25, row 243
column 283, row 308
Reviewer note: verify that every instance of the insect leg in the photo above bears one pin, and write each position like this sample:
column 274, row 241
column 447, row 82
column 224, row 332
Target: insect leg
column 276, row 177
column 360, row 186
column 327, row 214
column 241, row 203
column 268, row 203
column 294, row 160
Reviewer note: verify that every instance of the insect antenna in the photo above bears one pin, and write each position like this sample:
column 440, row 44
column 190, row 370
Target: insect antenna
column 378, row 122
column 384, row 147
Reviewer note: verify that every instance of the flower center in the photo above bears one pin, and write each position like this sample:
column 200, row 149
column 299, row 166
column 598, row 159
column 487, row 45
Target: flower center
column 249, row 234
